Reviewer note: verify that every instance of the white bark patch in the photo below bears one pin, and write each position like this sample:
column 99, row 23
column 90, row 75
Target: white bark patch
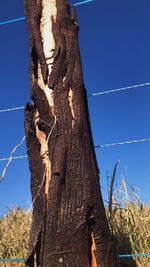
column 70, row 99
column 49, row 9
column 46, row 89
column 44, row 154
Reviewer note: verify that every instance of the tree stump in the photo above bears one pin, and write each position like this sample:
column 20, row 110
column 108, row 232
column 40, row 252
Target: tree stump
column 69, row 225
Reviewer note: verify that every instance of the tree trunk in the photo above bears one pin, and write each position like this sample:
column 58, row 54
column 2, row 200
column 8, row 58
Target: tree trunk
column 69, row 225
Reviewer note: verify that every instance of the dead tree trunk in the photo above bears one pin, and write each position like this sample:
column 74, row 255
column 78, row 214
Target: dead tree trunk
column 68, row 212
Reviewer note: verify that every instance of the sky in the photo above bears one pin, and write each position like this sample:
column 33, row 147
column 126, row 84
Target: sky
column 114, row 42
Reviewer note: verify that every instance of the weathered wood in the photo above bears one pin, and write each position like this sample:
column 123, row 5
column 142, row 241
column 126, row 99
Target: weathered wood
column 68, row 210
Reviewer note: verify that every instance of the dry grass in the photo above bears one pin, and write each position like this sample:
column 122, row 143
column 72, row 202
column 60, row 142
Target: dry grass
column 14, row 230
column 129, row 221
column 130, row 224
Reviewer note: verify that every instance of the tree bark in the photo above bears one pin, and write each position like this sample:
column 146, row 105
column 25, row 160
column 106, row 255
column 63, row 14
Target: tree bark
column 69, row 225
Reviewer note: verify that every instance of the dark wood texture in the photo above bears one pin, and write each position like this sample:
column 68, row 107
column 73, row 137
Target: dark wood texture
column 65, row 220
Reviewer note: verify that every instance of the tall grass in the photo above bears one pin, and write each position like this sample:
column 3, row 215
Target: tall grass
column 130, row 224
column 14, row 231
column 129, row 221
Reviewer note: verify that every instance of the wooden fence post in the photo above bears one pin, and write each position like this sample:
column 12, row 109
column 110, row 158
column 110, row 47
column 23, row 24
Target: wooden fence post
column 69, row 225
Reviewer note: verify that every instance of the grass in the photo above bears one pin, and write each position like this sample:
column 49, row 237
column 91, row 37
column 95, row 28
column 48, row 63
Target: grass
column 129, row 221
column 14, row 231
column 130, row 224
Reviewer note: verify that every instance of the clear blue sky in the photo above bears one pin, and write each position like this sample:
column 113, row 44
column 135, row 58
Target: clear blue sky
column 115, row 47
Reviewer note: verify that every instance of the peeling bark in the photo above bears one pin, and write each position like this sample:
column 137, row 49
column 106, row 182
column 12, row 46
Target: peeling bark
column 69, row 225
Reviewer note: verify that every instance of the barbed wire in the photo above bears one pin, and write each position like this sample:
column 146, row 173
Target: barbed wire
column 23, row 18
column 120, row 89
column 89, row 95
column 19, row 157
column 120, row 256
column 12, row 20
column 123, row 143
column 83, row 2
column 97, row 146
column 11, row 109
column 11, row 158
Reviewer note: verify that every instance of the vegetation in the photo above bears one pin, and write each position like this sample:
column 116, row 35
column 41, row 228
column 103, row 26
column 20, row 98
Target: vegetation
column 14, row 230
column 129, row 222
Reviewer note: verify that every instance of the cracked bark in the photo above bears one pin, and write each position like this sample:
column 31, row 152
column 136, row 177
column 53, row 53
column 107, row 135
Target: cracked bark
column 68, row 212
